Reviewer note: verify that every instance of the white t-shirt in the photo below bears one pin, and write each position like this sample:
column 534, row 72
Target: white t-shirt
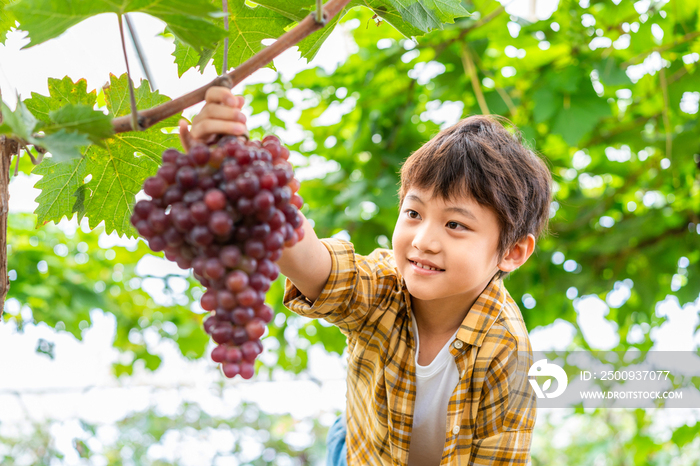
column 435, row 384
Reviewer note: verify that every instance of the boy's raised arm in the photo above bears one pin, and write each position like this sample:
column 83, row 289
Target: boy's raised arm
column 307, row 264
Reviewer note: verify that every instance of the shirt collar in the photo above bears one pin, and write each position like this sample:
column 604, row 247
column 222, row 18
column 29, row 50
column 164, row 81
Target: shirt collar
column 483, row 314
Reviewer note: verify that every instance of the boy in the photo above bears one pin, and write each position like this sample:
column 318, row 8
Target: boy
column 438, row 352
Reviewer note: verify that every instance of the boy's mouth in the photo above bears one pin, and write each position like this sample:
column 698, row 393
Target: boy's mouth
column 426, row 267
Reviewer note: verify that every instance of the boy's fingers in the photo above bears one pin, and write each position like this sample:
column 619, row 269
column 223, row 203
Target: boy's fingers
column 220, row 112
column 185, row 136
column 208, row 127
column 223, row 95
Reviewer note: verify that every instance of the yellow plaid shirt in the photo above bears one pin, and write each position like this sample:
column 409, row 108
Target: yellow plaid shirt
column 491, row 413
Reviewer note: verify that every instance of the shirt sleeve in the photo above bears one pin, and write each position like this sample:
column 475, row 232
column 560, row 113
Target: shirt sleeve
column 507, row 411
column 356, row 286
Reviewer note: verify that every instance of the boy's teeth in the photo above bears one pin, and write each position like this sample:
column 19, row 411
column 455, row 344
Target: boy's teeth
column 425, row 266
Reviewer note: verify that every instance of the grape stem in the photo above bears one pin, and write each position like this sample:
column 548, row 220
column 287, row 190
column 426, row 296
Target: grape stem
column 134, row 117
column 224, row 65
column 307, row 26
column 139, row 52
column 5, row 162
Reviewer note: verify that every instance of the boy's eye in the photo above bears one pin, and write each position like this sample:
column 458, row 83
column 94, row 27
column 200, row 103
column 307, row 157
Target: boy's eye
column 454, row 225
column 412, row 213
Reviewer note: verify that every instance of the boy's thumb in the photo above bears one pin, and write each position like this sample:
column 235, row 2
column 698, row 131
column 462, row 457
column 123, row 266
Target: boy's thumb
column 185, row 138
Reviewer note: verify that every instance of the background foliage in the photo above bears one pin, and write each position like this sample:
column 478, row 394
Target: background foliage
column 606, row 92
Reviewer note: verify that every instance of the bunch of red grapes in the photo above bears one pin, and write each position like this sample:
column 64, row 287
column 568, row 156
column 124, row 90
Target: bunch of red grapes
column 226, row 211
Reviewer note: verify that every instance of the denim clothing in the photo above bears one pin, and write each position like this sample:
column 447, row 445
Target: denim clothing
column 336, row 447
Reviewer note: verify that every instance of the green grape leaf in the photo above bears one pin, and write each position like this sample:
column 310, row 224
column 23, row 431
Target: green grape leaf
column 46, row 19
column 61, row 92
column 20, row 123
column 23, row 125
column 7, row 20
column 58, row 186
column 310, row 45
column 427, row 15
column 247, row 28
column 119, row 168
column 296, row 10
column 186, row 57
column 63, row 145
column 83, row 119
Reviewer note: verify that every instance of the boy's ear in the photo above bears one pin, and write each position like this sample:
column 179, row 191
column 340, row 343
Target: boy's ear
column 517, row 254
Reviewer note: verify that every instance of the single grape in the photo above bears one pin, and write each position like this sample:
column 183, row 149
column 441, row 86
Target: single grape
column 269, row 269
column 297, row 200
column 215, row 199
column 233, row 354
column 155, row 186
column 220, row 223
column 157, row 243
column 263, row 200
column 276, row 220
column 226, row 299
column 282, row 196
column 142, row 208
column 247, row 370
column 246, row 297
column 201, row 236
column 249, row 351
column 218, row 354
column 260, row 231
column 247, row 264
column 259, row 282
column 213, row 269
column 237, row 281
column 242, row 315
column 264, row 313
column 231, row 369
column 173, row 237
column 268, row 181
column 158, row 220
column 248, row 184
column 172, row 195
column 199, row 153
column 254, row 248
column 274, row 241
column 183, row 220
column 187, row 177
column 231, row 170
column 222, row 332
column 208, row 301
column 242, row 233
column 168, row 172
column 255, row 328
column 216, row 156
column 209, row 324
column 239, row 335
column 230, row 255
column 170, row 155
column 200, row 212
column 192, row 196
column 245, row 206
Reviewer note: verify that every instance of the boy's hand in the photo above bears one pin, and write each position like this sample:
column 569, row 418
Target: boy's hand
column 221, row 115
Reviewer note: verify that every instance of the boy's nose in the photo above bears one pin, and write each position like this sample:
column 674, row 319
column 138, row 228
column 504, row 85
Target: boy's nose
column 425, row 241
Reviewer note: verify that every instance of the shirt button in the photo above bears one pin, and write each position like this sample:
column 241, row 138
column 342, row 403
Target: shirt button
column 455, row 430
column 458, row 344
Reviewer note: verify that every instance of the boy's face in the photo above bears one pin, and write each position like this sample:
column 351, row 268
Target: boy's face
column 458, row 237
